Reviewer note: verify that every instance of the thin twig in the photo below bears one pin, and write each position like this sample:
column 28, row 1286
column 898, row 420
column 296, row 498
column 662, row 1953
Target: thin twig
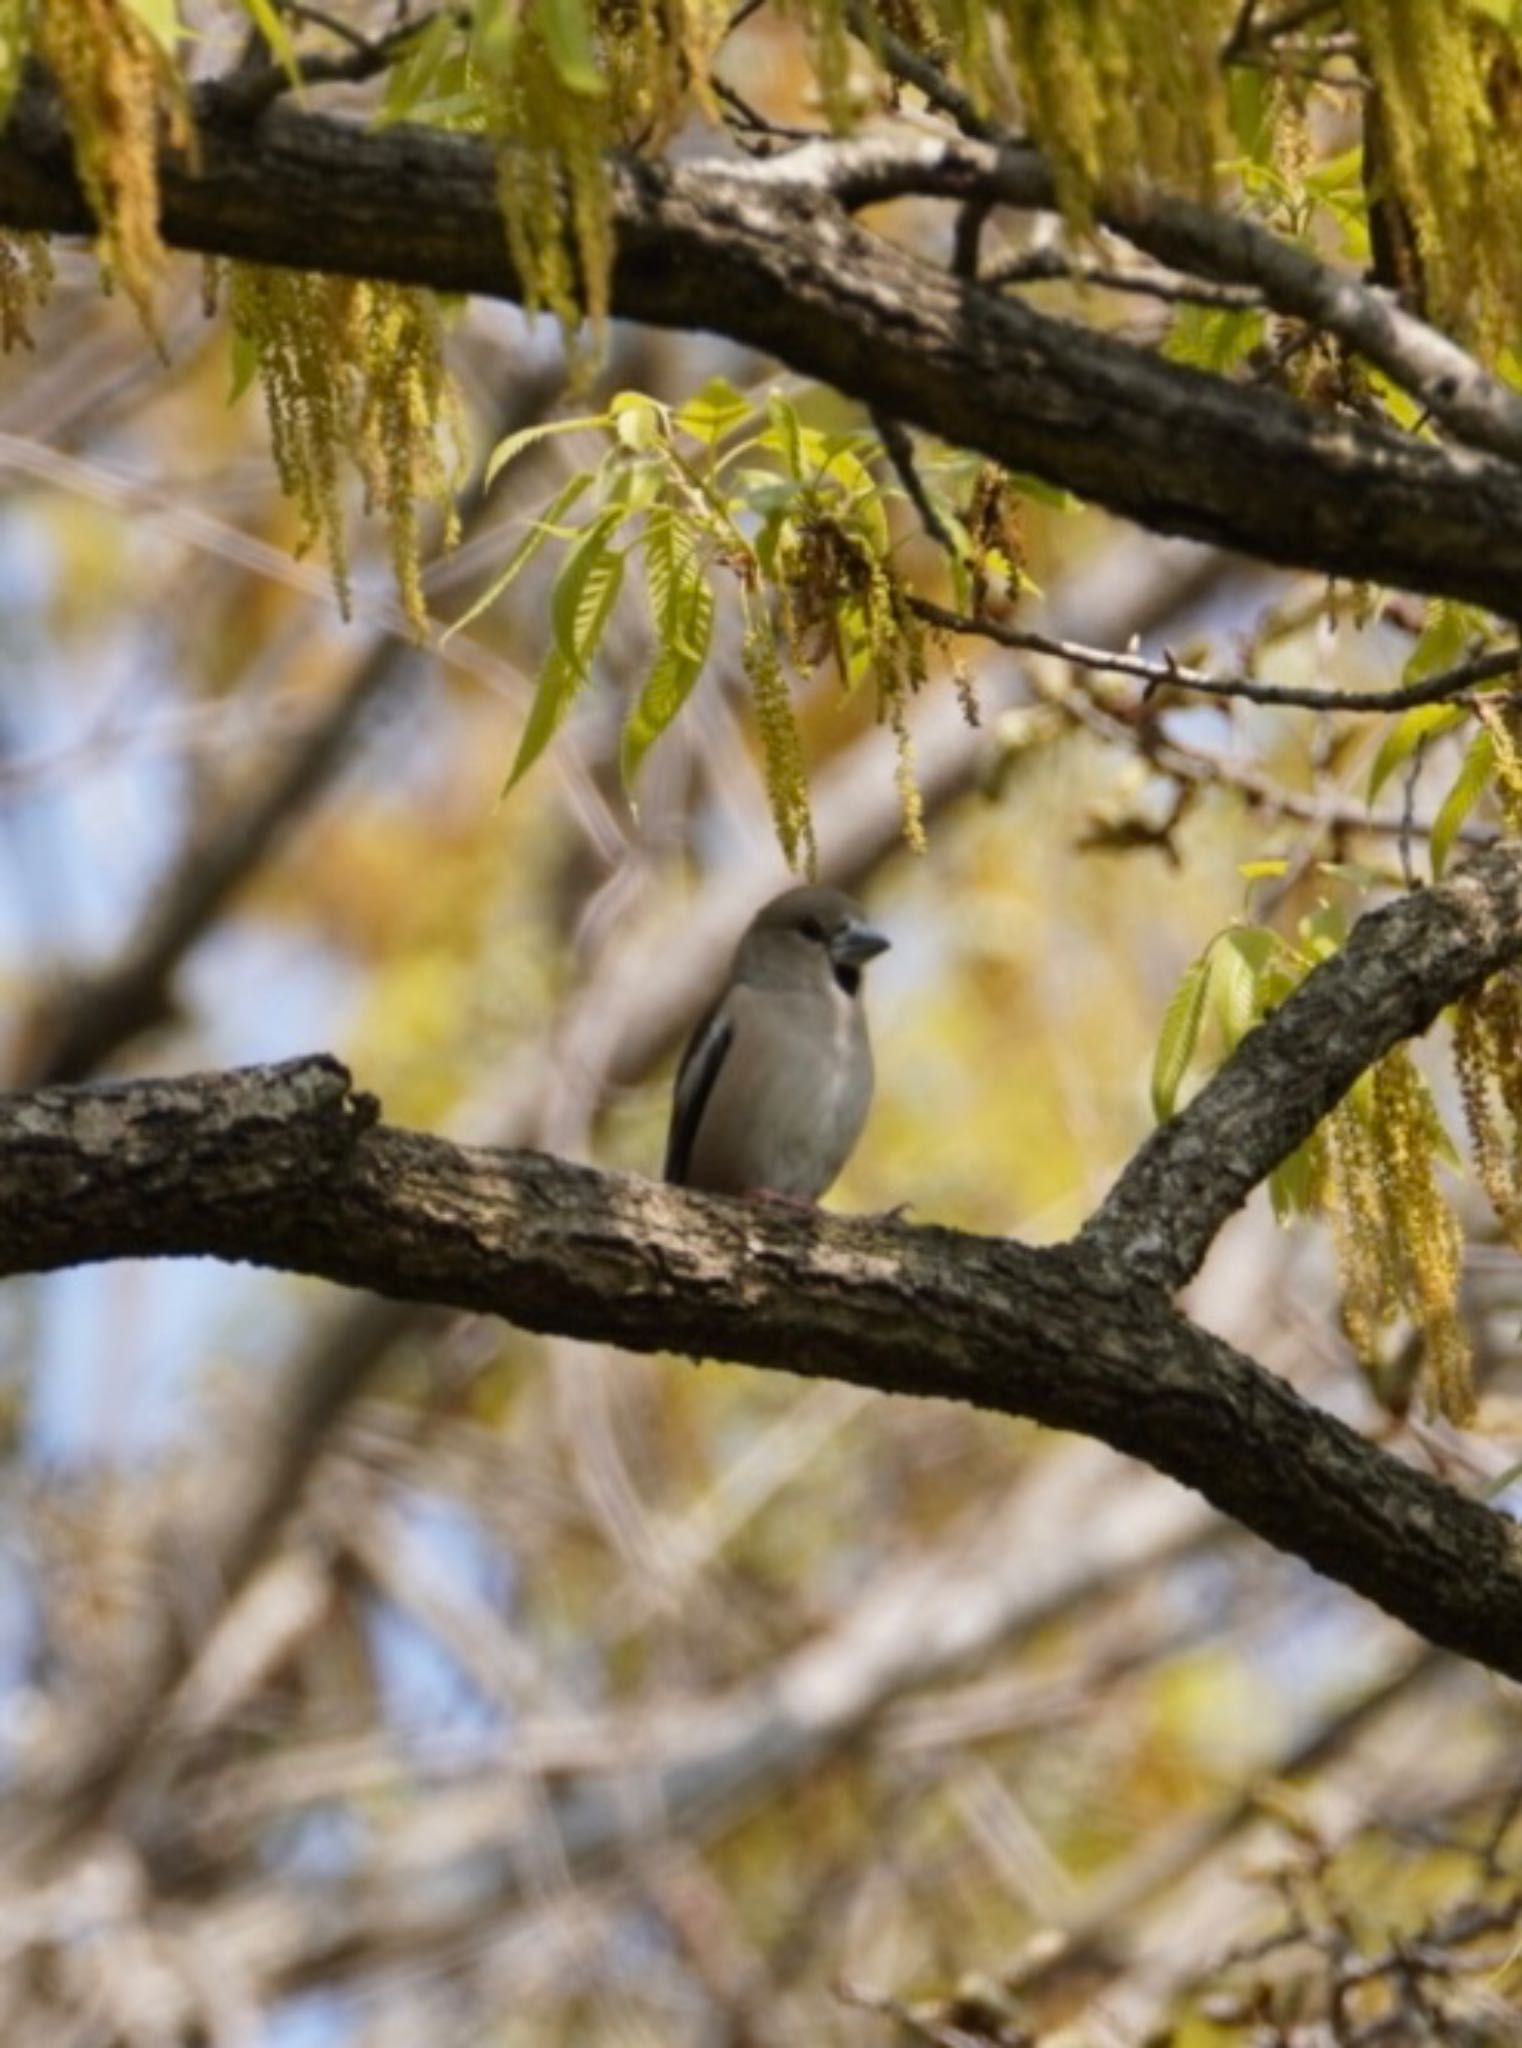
column 899, row 448
column 1438, row 689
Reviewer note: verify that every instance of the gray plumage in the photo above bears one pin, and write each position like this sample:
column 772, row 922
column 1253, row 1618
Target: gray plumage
column 776, row 1081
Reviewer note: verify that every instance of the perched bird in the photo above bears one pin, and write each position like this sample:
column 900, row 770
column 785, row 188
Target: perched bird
column 775, row 1083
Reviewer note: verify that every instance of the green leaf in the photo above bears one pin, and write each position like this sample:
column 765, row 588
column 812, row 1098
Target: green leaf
column 1411, row 730
column 1213, row 338
column 1291, row 1185
column 641, row 423
column 681, row 609
column 566, row 26
column 1470, row 785
column 867, row 510
column 1445, row 636
column 785, row 435
column 274, row 28
column 1235, row 964
column 714, row 411
column 494, row 32
column 540, row 531
column 245, row 365
column 511, row 446
column 1179, row 1036
column 419, row 70
column 161, row 18
column 586, row 591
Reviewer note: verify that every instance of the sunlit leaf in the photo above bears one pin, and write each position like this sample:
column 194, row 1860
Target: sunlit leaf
column 567, row 29
column 274, row 28
column 681, row 610
column 511, row 446
column 586, row 591
column 714, row 411
column 1178, row 1037
column 1469, row 786
column 1413, row 729
column 161, row 18
column 539, row 532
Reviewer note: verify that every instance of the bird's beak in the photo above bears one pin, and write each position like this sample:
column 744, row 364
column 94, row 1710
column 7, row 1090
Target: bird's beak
column 854, row 944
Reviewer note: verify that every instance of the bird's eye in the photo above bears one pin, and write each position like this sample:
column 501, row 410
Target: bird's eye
column 813, row 929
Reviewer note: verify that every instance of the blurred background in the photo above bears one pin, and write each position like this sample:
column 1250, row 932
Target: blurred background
column 369, row 1675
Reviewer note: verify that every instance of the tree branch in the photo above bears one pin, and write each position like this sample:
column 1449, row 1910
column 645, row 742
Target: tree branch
column 285, row 1167
column 1402, row 966
column 764, row 253
column 1450, row 683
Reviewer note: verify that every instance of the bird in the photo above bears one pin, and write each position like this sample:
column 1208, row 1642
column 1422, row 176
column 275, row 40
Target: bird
column 774, row 1086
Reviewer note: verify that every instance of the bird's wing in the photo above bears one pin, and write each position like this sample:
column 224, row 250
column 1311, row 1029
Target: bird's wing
column 705, row 1054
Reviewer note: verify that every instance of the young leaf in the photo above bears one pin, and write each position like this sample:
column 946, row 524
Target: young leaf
column 586, row 591
column 1292, row 1184
column 539, row 532
column 512, row 445
column 1411, row 730
column 1469, row 787
column 161, row 18
column 418, row 71
column 1234, row 970
column 271, row 24
column 1178, row 1037
column 682, row 605
column 567, row 29
column 713, row 412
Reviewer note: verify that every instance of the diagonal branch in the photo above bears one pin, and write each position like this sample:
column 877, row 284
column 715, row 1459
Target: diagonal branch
column 1402, row 966
column 284, row 1167
column 766, row 253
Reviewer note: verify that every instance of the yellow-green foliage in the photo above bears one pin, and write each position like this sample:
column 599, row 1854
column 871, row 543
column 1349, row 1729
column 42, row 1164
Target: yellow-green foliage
column 1116, row 87
column 781, row 745
column 1487, row 1042
column 563, row 85
column 1449, row 79
column 354, row 370
column 26, row 275
column 842, row 599
column 15, row 36
column 1399, row 1243
column 119, row 92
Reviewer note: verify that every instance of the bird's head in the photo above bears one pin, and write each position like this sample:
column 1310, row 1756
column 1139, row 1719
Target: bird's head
column 806, row 934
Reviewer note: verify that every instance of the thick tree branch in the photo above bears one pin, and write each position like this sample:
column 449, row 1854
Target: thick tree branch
column 765, row 253
column 284, row 1167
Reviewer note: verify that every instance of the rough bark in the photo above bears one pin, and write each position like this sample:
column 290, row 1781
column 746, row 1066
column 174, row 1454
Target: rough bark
column 768, row 255
column 288, row 1167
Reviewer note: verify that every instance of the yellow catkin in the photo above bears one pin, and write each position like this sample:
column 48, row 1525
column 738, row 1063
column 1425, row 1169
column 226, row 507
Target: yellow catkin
column 648, row 61
column 781, row 746
column 26, row 277
column 353, row 371
column 1503, row 721
column 1369, row 1282
column 1487, row 1057
column 1427, row 1232
column 1114, row 89
column 1399, row 1245
column 119, row 96
column 1448, row 75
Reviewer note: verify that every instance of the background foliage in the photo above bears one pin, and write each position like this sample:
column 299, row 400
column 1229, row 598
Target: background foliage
column 583, row 1700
